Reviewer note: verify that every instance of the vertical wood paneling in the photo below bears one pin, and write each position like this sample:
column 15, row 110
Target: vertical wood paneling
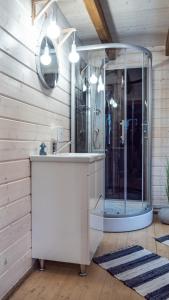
column 28, row 112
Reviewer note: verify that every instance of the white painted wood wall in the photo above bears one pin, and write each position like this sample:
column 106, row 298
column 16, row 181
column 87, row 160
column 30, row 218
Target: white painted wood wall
column 160, row 126
column 27, row 112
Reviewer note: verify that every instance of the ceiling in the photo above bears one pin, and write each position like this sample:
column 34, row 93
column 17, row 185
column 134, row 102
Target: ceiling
column 142, row 22
column 78, row 17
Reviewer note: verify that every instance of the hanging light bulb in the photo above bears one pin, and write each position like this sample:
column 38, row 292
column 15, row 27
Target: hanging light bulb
column 93, row 79
column 53, row 30
column 100, row 85
column 113, row 102
column 45, row 58
column 84, row 87
column 73, row 55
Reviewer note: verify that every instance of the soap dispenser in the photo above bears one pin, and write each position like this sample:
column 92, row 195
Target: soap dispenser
column 42, row 149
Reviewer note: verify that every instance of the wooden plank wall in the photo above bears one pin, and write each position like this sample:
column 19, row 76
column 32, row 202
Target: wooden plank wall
column 160, row 125
column 27, row 114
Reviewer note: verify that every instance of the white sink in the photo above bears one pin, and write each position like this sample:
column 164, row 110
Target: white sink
column 69, row 157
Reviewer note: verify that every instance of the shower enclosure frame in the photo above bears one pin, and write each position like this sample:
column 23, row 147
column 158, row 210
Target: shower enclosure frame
column 124, row 223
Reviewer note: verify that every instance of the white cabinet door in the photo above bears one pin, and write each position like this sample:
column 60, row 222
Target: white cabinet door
column 96, row 206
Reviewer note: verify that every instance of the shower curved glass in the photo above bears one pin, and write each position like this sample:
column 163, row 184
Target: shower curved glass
column 111, row 103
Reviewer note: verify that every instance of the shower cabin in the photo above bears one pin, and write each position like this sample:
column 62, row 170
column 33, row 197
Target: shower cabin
column 111, row 113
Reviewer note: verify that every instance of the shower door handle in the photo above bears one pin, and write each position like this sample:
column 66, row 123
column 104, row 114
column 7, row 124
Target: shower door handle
column 145, row 130
column 122, row 123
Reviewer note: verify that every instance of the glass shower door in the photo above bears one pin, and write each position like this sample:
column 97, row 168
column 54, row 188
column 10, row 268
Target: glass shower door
column 126, row 133
column 146, row 184
column 115, row 141
column 112, row 93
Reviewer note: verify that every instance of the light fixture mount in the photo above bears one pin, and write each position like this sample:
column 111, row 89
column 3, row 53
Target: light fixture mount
column 36, row 15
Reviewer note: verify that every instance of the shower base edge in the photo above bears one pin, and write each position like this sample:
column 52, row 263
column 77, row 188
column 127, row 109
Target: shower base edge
column 128, row 223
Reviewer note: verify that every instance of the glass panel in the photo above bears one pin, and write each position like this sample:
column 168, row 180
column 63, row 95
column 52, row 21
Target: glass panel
column 134, row 133
column 126, row 176
column 81, row 106
column 115, row 118
column 90, row 104
column 145, row 128
column 97, row 110
column 115, row 134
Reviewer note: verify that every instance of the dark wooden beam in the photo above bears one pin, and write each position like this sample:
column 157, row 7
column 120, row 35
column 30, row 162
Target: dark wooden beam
column 97, row 16
column 167, row 45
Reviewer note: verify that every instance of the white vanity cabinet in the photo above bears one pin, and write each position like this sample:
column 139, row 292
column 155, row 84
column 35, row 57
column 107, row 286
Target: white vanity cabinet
column 66, row 191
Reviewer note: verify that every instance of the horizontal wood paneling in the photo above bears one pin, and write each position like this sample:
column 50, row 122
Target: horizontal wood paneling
column 10, row 22
column 160, row 125
column 28, row 114
column 14, row 69
column 20, row 111
column 14, row 170
column 26, row 94
column 12, row 191
column 16, row 130
column 14, row 211
column 17, row 51
column 15, row 150
column 14, row 232
column 15, row 272
column 14, row 252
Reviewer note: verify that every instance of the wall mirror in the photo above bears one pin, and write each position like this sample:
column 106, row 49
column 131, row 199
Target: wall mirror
column 47, row 63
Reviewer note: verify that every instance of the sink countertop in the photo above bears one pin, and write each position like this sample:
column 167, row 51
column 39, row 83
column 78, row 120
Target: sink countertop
column 69, row 157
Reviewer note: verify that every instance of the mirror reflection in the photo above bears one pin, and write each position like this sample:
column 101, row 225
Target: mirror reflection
column 47, row 63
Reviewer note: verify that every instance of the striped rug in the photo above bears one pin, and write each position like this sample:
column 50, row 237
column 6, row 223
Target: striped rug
column 163, row 239
column 145, row 272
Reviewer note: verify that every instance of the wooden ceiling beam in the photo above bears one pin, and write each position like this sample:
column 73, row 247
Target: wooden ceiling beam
column 97, row 16
column 167, row 45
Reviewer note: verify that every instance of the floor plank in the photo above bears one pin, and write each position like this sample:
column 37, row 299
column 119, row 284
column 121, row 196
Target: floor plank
column 60, row 281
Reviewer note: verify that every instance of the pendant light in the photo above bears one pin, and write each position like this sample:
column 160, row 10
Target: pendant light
column 45, row 58
column 100, row 87
column 84, row 87
column 53, row 30
column 73, row 55
column 93, row 78
column 113, row 103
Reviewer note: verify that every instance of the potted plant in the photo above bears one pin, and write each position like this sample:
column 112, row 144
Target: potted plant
column 164, row 211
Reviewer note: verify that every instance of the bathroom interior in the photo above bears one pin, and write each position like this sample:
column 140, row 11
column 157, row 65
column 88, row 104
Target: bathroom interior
column 84, row 169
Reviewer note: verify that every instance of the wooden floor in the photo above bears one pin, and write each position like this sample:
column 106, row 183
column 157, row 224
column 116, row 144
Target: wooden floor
column 61, row 281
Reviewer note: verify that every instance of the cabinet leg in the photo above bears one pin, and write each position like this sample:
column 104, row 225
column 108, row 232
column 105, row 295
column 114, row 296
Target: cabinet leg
column 42, row 264
column 83, row 270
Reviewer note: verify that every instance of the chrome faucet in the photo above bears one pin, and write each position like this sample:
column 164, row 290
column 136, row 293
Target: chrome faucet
column 55, row 148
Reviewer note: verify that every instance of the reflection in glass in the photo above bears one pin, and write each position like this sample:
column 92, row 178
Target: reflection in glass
column 47, row 63
column 113, row 101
